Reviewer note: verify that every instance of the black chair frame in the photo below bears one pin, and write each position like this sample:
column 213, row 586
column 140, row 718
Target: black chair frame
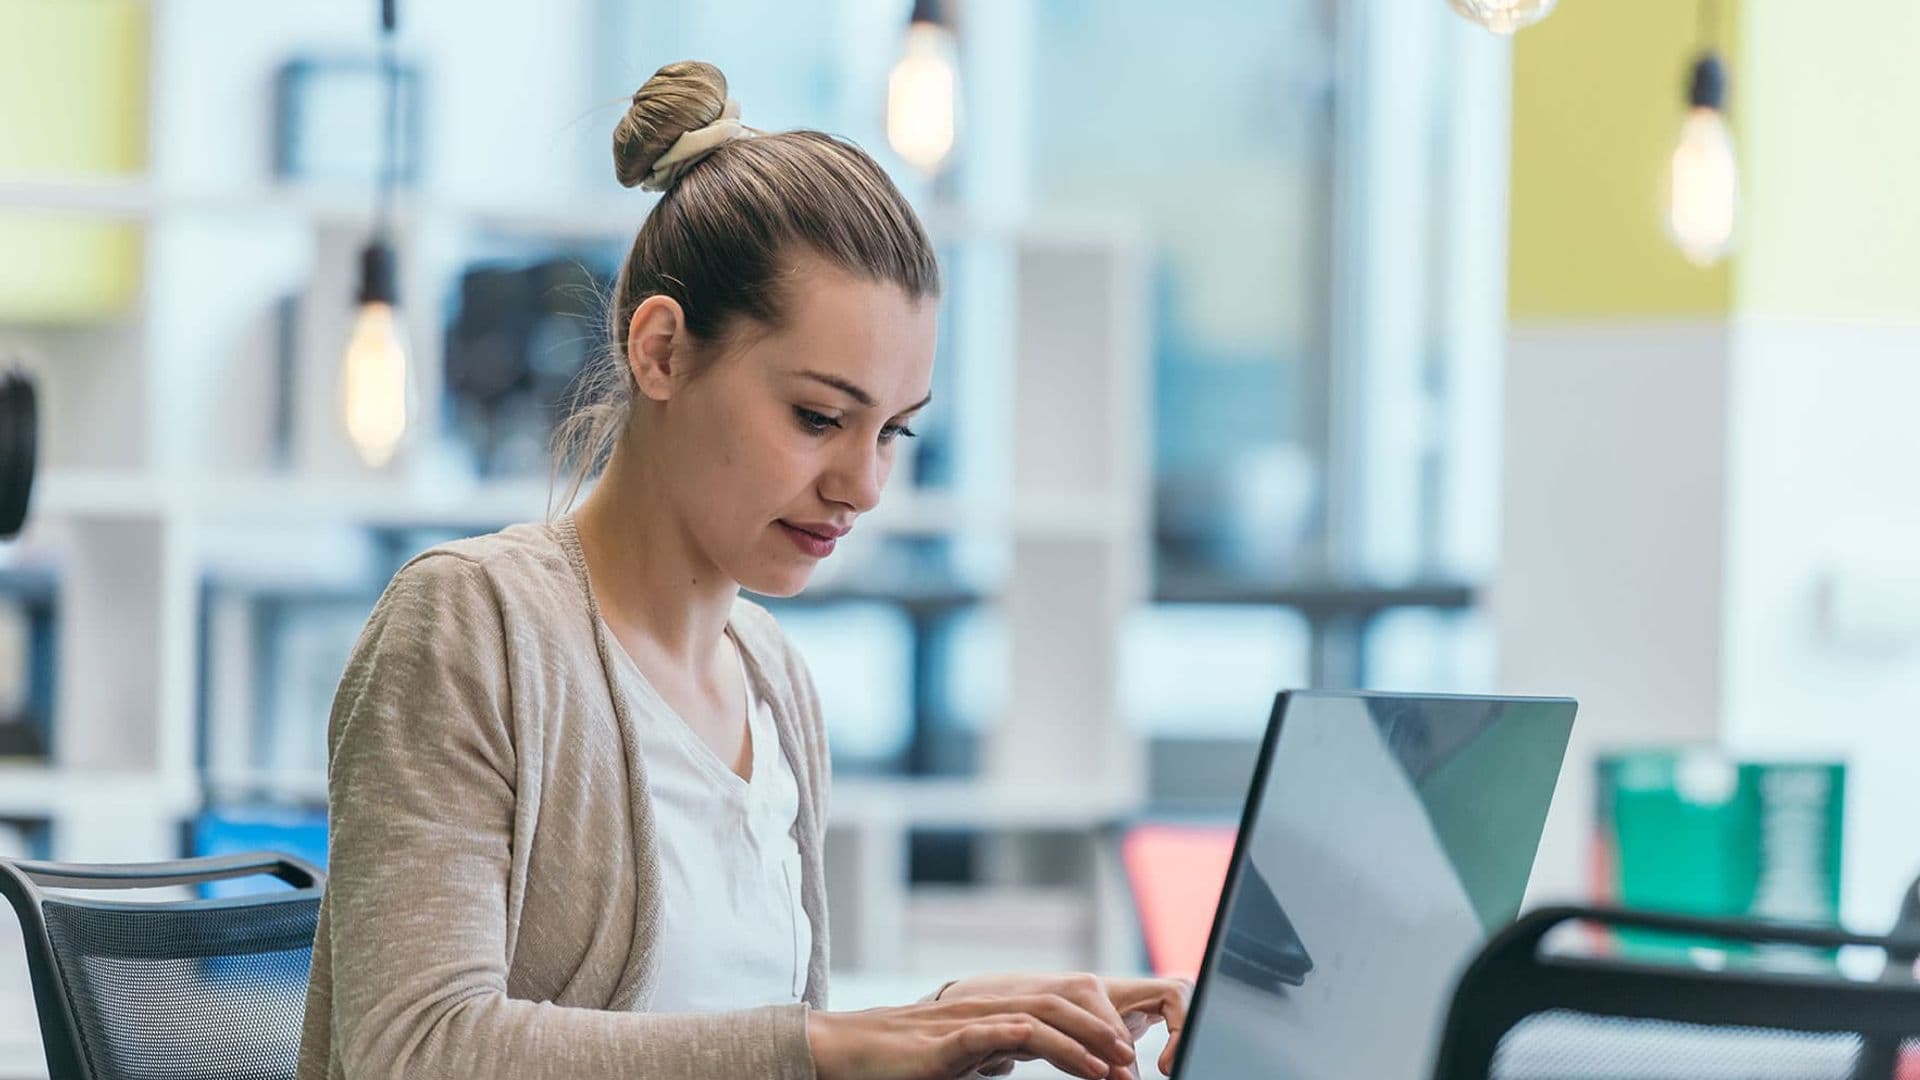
column 21, row 882
column 1513, row 979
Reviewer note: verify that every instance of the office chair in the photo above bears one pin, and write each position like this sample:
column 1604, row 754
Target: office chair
column 167, row 988
column 1521, row 1013
column 1174, row 871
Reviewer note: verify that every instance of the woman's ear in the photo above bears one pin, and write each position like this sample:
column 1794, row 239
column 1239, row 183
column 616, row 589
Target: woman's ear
column 657, row 345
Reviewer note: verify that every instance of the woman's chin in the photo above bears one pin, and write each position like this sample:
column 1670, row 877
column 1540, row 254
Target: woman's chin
column 778, row 582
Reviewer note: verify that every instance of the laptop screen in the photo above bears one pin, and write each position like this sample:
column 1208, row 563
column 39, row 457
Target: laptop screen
column 1383, row 838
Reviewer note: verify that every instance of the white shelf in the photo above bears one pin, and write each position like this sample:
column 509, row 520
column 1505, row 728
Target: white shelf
column 45, row 791
column 1072, row 514
column 136, row 199
column 287, row 498
column 975, row 804
column 1067, row 514
column 290, row 499
column 294, row 497
column 860, row 802
column 305, row 786
column 588, row 217
column 97, row 493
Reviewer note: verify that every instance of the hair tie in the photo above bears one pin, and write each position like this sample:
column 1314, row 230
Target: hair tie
column 696, row 144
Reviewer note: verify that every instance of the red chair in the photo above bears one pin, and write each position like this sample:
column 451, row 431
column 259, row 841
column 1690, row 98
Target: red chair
column 1176, row 872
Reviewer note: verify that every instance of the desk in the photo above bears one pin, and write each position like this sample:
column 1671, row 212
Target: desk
column 20, row 1054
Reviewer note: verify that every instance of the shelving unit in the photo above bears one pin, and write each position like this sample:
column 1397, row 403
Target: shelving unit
column 160, row 474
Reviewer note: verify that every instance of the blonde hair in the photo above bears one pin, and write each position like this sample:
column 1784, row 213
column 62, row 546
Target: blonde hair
column 722, row 234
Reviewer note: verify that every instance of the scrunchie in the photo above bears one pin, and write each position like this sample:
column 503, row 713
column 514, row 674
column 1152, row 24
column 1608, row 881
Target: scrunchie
column 696, row 144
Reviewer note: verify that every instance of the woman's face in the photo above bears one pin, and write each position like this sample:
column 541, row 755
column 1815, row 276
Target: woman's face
column 776, row 447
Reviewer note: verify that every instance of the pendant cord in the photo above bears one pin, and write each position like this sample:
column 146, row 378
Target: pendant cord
column 389, row 151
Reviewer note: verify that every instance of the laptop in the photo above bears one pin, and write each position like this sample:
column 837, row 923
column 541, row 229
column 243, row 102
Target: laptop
column 1383, row 839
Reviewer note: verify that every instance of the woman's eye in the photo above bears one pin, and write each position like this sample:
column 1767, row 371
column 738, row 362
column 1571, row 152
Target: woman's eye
column 817, row 423
column 893, row 431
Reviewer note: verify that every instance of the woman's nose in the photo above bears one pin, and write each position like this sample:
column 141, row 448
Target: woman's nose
column 857, row 478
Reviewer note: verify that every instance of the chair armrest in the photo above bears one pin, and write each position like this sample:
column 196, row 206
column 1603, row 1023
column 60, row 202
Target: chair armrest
column 294, row 871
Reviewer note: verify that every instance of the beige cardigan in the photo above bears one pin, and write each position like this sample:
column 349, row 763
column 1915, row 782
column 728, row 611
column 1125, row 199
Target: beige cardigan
column 493, row 892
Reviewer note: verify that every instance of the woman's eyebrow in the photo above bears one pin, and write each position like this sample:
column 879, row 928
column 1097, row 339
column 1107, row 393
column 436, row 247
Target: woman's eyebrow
column 853, row 391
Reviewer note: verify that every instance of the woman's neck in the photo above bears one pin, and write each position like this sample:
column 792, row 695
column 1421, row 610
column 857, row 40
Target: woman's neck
column 649, row 578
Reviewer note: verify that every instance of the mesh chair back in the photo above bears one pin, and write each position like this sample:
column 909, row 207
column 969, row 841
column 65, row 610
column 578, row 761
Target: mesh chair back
column 179, row 989
column 1521, row 1013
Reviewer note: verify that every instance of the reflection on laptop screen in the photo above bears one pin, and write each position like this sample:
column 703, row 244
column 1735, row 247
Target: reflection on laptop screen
column 1385, row 837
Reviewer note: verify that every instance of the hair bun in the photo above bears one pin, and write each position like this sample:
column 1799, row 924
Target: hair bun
column 678, row 98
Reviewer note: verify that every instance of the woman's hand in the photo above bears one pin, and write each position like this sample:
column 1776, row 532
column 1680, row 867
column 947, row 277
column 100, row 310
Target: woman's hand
column 1135, row 1004
column 956, row 1037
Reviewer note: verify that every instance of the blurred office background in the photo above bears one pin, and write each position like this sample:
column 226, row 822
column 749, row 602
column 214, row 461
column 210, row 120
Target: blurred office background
column 1327, row 343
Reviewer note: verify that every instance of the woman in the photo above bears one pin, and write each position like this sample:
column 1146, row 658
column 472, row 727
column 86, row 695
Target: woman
column 577, row 785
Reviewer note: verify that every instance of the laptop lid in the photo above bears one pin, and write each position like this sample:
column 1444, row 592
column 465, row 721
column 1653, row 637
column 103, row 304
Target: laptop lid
column 1384, row 837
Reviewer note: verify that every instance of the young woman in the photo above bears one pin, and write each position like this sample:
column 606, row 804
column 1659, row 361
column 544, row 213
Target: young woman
column 577, row 784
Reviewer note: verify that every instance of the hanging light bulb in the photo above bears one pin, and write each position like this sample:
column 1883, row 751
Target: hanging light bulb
column 1504, row 16
column 376, row 390
column 376, row 399
column 923, row 92
column 1705, row 195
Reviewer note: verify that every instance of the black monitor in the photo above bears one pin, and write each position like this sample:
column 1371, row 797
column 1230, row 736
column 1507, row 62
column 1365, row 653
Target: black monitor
column 1384, row 837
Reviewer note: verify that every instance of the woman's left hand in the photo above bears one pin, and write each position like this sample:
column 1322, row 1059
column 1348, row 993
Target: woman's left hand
column 1131, row 1004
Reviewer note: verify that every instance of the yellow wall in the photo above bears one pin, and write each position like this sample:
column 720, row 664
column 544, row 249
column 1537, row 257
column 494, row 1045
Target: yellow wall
column 73, row 93
column 1831, row 159
column 1598, row 94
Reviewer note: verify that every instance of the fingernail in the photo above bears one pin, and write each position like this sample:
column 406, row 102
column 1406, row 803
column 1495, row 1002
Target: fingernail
column 1123, row 1050
column 1096, row 1067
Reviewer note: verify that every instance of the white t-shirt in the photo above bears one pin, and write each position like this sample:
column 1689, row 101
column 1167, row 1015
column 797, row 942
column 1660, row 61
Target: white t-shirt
column 732, row 931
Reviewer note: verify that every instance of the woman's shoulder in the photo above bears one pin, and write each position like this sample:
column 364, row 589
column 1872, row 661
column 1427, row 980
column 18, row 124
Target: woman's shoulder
column 520, row 568
column 513, row 558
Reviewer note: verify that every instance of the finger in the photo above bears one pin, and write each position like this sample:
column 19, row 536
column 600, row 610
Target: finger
column 970, row 1047
column 1094, row 1033
column 1067, row 1053
column 1093, row 994
column 1177, row 997
column 1165, row 998
column 1146, row 1000
column 1145, row 993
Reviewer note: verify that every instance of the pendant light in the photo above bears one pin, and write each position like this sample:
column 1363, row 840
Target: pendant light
column 1506, row 16
column 1703, row 197
column 376, row 399
column 923, row 91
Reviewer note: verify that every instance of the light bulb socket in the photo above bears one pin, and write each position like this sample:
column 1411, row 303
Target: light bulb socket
column 929, row 11
column 1707, row 88
column 19, row 445
column 389, row 15
column 379, row 274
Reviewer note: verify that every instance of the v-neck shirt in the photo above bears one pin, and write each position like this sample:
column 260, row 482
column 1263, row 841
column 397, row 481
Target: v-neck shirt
column 733, row 934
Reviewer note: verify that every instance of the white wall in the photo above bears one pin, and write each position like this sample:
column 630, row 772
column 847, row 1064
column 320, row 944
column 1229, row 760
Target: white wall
column 1710, row 534
column 1825, row 496
column 1609, row 583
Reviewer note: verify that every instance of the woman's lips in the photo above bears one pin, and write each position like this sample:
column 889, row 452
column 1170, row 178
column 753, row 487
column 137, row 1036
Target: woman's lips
column 817, row 546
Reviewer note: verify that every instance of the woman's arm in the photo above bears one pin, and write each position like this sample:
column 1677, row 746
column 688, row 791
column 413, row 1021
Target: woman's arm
column 421, row 797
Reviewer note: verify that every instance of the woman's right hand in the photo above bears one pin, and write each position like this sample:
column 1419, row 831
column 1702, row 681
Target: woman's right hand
column 951, row 1040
